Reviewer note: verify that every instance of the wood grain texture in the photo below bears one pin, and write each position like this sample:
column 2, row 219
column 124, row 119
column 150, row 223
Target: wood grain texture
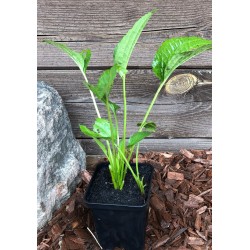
column 175, row 120
column 102, row 55
column 99, row 26
column 63, row 17
column 141, row 86
column 162, row 145
column 93, row 160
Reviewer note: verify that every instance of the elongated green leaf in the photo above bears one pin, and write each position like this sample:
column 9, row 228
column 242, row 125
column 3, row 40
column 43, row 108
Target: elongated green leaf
column 102, row 127
column 124, row 48
column 106, row 81
column 113, row 106
column 148, row 126
column 103, row 88
column 94, row 135
column 175, row 51
column 94, row 89
column 80, row 58
column 137, row 137
column 86, row 54
column 89, row 132
column 104, row 85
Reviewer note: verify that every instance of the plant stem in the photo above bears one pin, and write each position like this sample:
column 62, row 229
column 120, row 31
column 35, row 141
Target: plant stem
column 92, row 95
column 124, row 167
column 151, row 106
column 110, row 155
column 124, row 110
column 111, row 127
column 112, row 169
column 136, row 159
column 117, row 128
column 136, row 178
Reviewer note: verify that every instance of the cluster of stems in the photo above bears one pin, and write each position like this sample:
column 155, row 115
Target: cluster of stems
column 117, row 153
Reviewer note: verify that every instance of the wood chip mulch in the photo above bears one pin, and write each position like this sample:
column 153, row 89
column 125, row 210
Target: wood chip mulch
column 180, row 212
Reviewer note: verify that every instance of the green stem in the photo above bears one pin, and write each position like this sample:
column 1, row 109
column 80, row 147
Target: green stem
column 138, row 181
column 92, row 95
column 117, row 128
column 124, row 110
column 112, row 169
column 136, row 159
column 151, row 106
column 111, row 127
column 124, row 121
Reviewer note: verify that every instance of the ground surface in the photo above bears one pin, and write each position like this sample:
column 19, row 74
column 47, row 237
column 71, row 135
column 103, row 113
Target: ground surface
column 180, row 212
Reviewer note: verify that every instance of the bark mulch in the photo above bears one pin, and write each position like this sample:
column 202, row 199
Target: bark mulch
column 180, row 212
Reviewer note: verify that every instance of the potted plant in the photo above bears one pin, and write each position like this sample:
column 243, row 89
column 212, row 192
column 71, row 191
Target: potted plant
column 118, row 193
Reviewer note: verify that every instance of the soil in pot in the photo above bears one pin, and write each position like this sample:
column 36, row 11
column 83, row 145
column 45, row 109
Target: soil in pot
column 102, row 190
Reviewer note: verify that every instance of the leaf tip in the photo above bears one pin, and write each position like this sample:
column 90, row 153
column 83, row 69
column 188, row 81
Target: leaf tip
column 47, row 41
column 154, row 10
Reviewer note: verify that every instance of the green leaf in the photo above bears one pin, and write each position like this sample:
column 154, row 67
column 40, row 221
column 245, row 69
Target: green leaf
column 89, row 132
column 105, row 84
column 137, row 137
column 113, row 106
column 102, row 127
column 86, row 54
column 80, row 58
column 94, row 89
column 124, row 48
column 106, row 81
column 103, row 88
column 148, row 126
column 175, row 51
column 94, row 135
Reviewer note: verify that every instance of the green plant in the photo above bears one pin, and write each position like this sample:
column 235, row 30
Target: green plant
column 171, row 54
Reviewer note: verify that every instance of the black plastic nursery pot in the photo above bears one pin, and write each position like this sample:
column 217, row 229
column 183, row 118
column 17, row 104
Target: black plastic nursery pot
column 120, row 216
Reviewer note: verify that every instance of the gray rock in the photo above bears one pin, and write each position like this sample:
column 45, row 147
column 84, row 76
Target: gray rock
column 60, row 157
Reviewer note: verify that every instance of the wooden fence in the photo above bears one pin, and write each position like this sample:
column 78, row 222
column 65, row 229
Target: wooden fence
column 183, row 121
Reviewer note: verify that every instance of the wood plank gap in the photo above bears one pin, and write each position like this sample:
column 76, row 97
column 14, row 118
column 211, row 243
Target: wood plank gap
column 158, row 145
column 163, row 138
column 172, row 29
column 129, row 68
column 138, row 103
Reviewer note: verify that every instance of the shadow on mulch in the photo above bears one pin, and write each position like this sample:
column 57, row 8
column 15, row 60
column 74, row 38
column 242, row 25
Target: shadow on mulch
column 180, row 212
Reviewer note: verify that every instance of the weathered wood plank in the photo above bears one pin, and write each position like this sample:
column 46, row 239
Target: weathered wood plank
column 104, row 17
column 141, row 86
column 93, row 160
column 173, row 121
column 102, row 55
column 160, row 145
column 99, row 25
